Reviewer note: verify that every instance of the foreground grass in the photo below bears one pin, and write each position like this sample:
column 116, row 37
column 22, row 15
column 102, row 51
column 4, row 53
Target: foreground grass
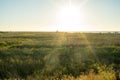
column 59, row 56
column 90, row 76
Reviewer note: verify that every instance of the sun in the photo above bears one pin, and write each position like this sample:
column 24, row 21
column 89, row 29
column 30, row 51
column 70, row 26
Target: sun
column 69, row 17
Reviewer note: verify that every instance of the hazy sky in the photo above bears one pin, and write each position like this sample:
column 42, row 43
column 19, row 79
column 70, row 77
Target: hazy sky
column 42, row 15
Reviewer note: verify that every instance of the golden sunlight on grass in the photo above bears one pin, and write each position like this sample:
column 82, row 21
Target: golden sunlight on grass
column 90, row 76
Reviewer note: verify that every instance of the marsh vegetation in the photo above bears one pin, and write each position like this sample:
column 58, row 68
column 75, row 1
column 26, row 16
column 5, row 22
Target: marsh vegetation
column 59, row 56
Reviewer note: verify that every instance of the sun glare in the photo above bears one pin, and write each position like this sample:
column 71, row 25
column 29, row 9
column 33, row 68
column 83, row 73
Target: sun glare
column 69, row 17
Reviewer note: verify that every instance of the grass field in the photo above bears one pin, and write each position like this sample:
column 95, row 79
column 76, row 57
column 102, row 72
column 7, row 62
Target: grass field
column 59, row 56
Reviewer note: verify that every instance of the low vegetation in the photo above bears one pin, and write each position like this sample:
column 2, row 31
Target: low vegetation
column 59, row 56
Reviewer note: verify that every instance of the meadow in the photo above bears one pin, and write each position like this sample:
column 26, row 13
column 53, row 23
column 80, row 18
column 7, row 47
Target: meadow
column 59, row 56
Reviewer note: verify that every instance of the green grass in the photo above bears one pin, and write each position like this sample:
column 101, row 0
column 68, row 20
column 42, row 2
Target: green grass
column 49, row 55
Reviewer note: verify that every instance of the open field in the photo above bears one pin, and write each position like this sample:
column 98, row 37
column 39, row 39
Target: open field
column 59, row 55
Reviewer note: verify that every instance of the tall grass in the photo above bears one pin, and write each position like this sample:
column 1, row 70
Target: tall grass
column 105, row 75
column 59, row 56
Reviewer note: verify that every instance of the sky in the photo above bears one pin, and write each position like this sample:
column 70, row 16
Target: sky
column 44, row 15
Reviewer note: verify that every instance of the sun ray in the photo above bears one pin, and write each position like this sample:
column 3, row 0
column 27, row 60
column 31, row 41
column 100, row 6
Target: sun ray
column 91, row 50
column 83, row 3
